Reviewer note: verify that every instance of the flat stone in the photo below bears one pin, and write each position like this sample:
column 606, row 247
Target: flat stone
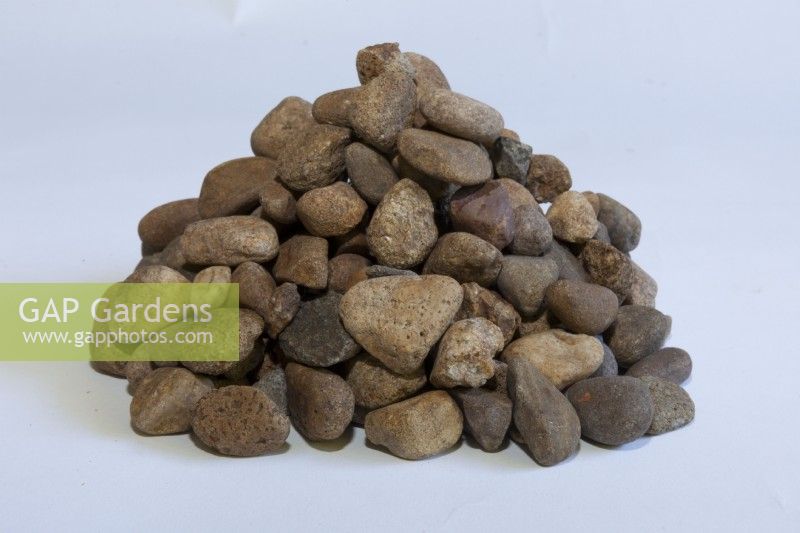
column 481, row 302
column 608, row 267
column 547, row 177
column 278, row 204
column 380, row 271
column 572, row 218
column 398, row 319
column 644, row 288
column 445, row 158
column 484, row 211
column 286, row 121
column 609, row 366
column 283, row 305
column 613, row 410
column 229, row 241
column 255, row 287
column 375, row 386
column 234, row 187
column 466, row 258
column 419, row 427
column 334, row 107
column 332, row 210
column 303, row 260
column 532, row 232
column 637, row 332
column 372, row 175
column 624, row 227
column 166, row 222
column 465, row 354
column 461, row 116
column 320, row 402
column 582, row 307
column 523, row 281
column 487, row 416
column 672, row 406
column 346, row 270
column 672, row 364
column 164, row 401
column 315, row 158
column 511, row 159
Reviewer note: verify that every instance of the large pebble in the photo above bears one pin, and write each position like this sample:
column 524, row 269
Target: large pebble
column 481, row 302
column 416, row 428
column 375, row 386
column 255, row 287
column 332, row 210
column 372, row 175
column 487, row 416
column 466, row 258
column 165, row 400
column 229, row 241
column 532, row 232
column 582, row 307
column 613, row 410
column 624, row 227
column 240, row 421
column 523, row 281
column 485, row 211
column 672, row 364
column 461, row 116
column 303, row 260
column 445, row 158
column 572, row 218
column 397, row 319
column 544, row 418
column 315, row 158
column 402, row 231
column 466, row 353
column 234, row 187
column 286, row 121
column 334, row 107
column 547, row 177
column 166, row 222
column 316, row 337
column 637, row 332
column 320, row 402
column 672, row 406
column 608, row 267
column 561, row 357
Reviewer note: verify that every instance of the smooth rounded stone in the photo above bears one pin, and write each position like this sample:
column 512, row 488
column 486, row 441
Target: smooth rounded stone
column 608, row 267
column 166, row 222
column 487, row 416
column 251, row 328
column 164, row 401
column 380, row 271
column 371, row 61
column 582, row 307
column 609, row 366
column 561, row 357
column 316, row 337
column 286, row 121
column 278, row 204
column 637, row 332
column 303, row 260
column 544, row 419
column 544, row 322
column 214, row 274
column 314, row 158
column 466, row 258
column 445, row 158
column 613, row 410
column 594, row 200
column 644, row 288
column 332, row 210
column 624, row 227
column 402, row 231
column 116, row 369
column 480, row 302
column 509, row 134
column 419, row 427
column 273, row 384
column 234, row 187
column 672, row 364
column 427, row 74
column 484, row 211
column 346, row 270
column 398, row 319
column 171, row 256
column 532, row 232
column 523, row 281
column 136, row 371
column 372, row 175
column 334, row 107
column 229, row 241
column 375, row 386
column 383, row 107
column 569, row 266
column 466, row 352
column 672, row 406
column 240, row 421
column 255, row 287
column 435, row 188
column 320, row 402
column 284, row 303
column 461, row 116
column 547, row 177
column 216, row 295
column 511, row 159
column 156, row 274
column 572, row 218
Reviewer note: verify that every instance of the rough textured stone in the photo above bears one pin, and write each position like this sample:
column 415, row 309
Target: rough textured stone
column 465, row 354
column 672, row 364
column 397, row 319
column 303, row 260
column 375, row 386
column 315, row 158
column 372, row 175
column 637, row 332
column 334, row 107
column 156, row 274
column 273, row 384
column 286, row 121
column 569, row 266
column 255, row 287
column 532, row 232
column 229, row 241
column 643, row 289
column 487, row 416
column 354, row 242
column 320, row 402
column 466, row 258
column 547, row 177
column 545, row 419
column 609, row 367
column 561, row 357
column 332, row 210
column 481, row 302
column 608, row 267
column 624, row 227
column 166, row 222
column 544, row 322
column 427, row 74
column 582, row 307
column 524, row 280
column 461, row 116
column 316, row 337
column 613, row 410
column 371, row 61
column 445, row 158
column 251, row 327
column 278, row 204
column 416, row 428
column 284, row 303
column 346, row 270
column 240, row 421
column 484, row 211
column 435, row 188
column 572, row 218
column 234, row 187
column 672, row 406
column 402, row 231
column 164, row 401
column 136, row 371
column 511, row 159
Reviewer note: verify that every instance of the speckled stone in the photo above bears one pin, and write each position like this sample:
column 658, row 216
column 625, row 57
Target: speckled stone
column 255, row 287
column 346, row 270
column 481, row 302
column 608, row 267
column 229, row 241
column 303, row 260
column 320, row 402
column 283, row 305
column 251, row 327
column 136, row 371
column 465, row 354
column 539, row 324
column 582, row 307
column 315, row 158
column 547, row 177
column 461, row 116
column 445, row 158
column 435, row 188
column 637, row 332
column 672, row 364
column 487, row 416
column 156, row 274
column 380, row 271
column 372, row 175
column 511, row 159
column 644, row 288
column 609, row 366
column 334, row 107
column 286, row 121
column 166, row 222
column 371, row 61
column 427, row 74
column 624, row 227
column 375, row 386
column 466, row 258
column 672, row 406
column 572, row 218
column 273, row 384
column 278, row 205
column 523, row 281
column 234, row 187
column 332, row 210
column 485, row 211
column 532, row 232
column 569, row 266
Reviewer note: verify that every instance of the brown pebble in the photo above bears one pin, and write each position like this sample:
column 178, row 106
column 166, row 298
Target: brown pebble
column 637, row 332
column 608, row 267
column 523, row 281
column 445, row 158
column 164, row 401
column 465, row 354
column 644, row 288
column 234, row 187
column 314, row 158
column 278, row 204
column 673, row 408
column 485, row 211
column 229, row 241
column 624, row 227
column 334, row 107
column 572, row 218
column 136, row 371
column 371, row 61
column 166, row 222
column 346, row 270
column 284, row 302
column 286, row 121
column 427, row 74
column 487, row 416
column 461, row 116
column 320, row 402
column 156, row 274
column 435, row 188
column 375, row 386
column 255, row 286
column 354, row 242
column 332, row 210
column 532, row 232
column 251, row 327
column 466, row 258
column 672, row 364
column 582, row 307
column 303, row 260
column 372, row 175
column 548, row 177
column 569, row 266
column 481, row 302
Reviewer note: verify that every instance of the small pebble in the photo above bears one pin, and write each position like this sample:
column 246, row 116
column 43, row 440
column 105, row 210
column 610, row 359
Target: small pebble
column 672, row 406
column 320, row 402
column 532, row 232
column 156, row 274
column 608, row 267
column 572, row 218
column 251, row 327
column 375, row 386
column 637, row 332
column 372, row 175
column 380, row 271
column 445, row 158
column 288, row 120
column 511, row 159
column 314, row 158
column 229, row 241
column 609, row 366
column 466, row 258
column 371, row 61
column 255, row 287
column 461, row 116
column 334, row 107
column 234, row 187
column 465, row 354
column 278, row 205
column 273, row 384
column 547, row 177
column 484, row 211
column 427, row 74
column 303, row 260
column 346, row 270
column 332, row 210
column 569, row 266
column 136, row 371
column 481, row 302
column 523, row 281
column 624, row 227
column 166, row 222
column 282, row 306
column 487, row 416
column 672, row 364
column 582, row 307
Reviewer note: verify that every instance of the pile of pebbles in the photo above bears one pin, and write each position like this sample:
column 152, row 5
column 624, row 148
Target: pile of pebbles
column 397, row 272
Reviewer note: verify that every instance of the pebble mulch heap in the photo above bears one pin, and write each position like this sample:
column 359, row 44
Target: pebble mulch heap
column 398, row 272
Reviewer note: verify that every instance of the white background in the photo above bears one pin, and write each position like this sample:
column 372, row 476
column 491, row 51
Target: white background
column 686, row 111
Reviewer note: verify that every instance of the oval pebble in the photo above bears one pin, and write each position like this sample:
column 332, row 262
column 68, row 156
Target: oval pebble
column 461, row 116
column 229, row 241
column 637, row 332
column 166, row 222
column 672, row 364
column 445, row 158
column 582, row 307
column 672, row 406
column 164, row 401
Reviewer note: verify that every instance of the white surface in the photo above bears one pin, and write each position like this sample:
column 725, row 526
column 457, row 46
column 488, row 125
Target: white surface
column 687, row 113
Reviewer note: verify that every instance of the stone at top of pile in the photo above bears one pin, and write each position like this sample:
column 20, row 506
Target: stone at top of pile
column 397, row 271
